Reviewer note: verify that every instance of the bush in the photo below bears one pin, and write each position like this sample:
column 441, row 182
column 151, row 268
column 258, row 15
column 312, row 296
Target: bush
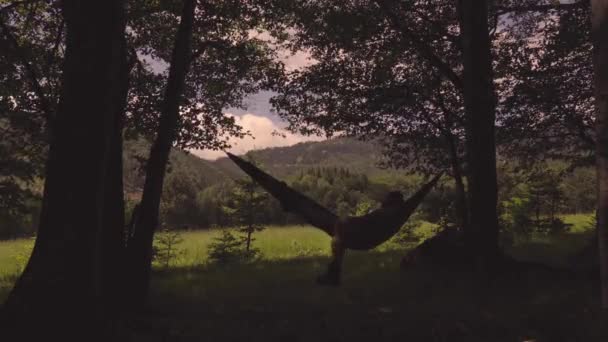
column 552, row 226
column 517, row 213
column 165, row 248
column 229, row 248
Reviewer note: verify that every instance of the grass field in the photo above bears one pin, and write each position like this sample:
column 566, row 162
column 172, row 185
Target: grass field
column 276, row 299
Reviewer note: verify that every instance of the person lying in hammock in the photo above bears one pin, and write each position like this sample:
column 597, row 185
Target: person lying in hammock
column 356, row 233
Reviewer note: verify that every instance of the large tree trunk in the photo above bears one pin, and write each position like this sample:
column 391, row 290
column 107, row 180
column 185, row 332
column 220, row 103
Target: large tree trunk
column 599, row 10
column 481, row 234
column 140, row 246
column 113, row 253
column 60, row 294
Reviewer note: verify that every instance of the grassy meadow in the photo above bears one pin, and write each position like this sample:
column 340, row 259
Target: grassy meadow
column 276, row 299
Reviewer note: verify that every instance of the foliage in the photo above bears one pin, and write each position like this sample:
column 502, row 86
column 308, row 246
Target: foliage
column 364, row 207
column 28, row 96
column 196, row 190
column 166, row 247
column 244, row 209
column 226, row 65
column 533, row 207
column 579, row 190
column 517, row 219
column 370, row 89
column 549, row 111
column 337, row 189
column 228, row 248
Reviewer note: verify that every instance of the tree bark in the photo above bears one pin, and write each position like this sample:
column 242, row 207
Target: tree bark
column 480, row 110
column 113, row 252
column 599, row 13
column 462, row 207
column 60, row 294
column 140, row 246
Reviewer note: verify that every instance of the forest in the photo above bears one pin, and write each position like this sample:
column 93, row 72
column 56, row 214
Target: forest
column 457, row 190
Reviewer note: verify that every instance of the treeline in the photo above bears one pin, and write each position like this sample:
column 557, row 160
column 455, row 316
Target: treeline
column 193, row 201
column 338, row 189
column 538, row 193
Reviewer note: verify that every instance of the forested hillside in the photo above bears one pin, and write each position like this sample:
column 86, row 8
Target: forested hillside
column 281, row 162
column 347, row 177
column 344, row 175
column 363, row 157
column 196, row 190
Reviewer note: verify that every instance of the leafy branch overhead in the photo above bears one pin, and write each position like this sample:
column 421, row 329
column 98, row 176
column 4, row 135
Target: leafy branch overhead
column 226, row 65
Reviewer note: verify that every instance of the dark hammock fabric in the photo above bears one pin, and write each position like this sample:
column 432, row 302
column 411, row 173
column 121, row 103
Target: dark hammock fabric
column 360, row 232
column 290, row 199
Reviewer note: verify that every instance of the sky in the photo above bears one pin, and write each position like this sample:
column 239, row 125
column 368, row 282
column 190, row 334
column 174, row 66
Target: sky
column 261, row 122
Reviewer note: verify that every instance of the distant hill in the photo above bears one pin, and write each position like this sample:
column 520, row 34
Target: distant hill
column 281, row 162
column 202, row 172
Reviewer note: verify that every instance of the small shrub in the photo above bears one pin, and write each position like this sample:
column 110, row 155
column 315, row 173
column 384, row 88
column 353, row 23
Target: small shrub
column 552, row 226
column 166, row 249
column 516, row 217
column 229, row 248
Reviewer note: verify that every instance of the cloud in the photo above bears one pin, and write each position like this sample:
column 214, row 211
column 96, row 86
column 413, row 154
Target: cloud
column 292, row 60
column 261, row 129
column 297, row 60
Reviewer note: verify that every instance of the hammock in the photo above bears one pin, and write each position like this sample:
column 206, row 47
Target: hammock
column 360, row 232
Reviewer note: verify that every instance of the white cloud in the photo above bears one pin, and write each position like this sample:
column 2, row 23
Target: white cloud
column 293, row 60
column 262, row 136
column 296, row 61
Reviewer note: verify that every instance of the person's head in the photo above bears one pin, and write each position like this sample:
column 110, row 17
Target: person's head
column 392, row 198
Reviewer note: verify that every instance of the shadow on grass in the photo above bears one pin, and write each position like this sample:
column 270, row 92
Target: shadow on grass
column 555, row 250
column 277, row 300
column 6, row 285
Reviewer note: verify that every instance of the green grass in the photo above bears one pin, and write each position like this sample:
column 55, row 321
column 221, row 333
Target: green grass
column 276, row 243
column 276, row 299
column 556, row 249
column 13, row 257
column 273, row 243
column 581, row 223
column 287, row 243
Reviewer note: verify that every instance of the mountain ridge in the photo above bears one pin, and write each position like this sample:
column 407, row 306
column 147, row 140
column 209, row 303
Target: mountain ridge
column 281, row 162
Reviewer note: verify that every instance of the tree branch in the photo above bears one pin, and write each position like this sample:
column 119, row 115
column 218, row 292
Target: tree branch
column 15, row 4
column 501, row 10
column 217, row 44
column 31, row 72
column 424, row 49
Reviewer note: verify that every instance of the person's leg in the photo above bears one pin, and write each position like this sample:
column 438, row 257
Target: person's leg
column 334, row 269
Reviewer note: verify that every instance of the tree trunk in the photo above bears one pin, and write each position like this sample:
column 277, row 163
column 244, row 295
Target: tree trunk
column 537, row 210
column 140, row 246
column 480, row 106
column 599, row 10
column 60, row 294
column 462, row 207
column 249, row 231
column 113, row 253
